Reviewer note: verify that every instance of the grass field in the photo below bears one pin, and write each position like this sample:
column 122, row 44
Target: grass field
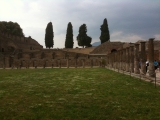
column 76, row 94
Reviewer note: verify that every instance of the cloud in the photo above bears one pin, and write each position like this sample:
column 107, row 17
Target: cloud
column 123, row 37
column 157, row 36
column 128, row 20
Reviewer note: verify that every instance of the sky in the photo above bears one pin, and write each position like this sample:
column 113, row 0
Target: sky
column 128, row 20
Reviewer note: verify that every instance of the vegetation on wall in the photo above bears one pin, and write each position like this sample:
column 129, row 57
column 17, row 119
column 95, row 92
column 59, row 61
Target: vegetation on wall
column 82, row 38
column 69, row 36
column 11, row 28
column 49, row 36
column 105, row 36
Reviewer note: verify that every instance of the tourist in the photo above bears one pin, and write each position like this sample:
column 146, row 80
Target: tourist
column 139, row 65
column 147, row 64
column 155, row 64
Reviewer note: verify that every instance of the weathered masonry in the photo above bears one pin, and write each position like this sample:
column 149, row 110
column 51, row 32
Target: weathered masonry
column 22, row 52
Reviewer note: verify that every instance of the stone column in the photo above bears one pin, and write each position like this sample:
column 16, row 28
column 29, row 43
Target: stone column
column 59, row 63
column 91, row 63
column 151, row 57
column 159, row 54
column 143, row 58
column 67, row 63
column 75, row 63
column 127, row 59
column 116, row 58
column 4, row 65
column 120, row 59
column 123, row 59
column 83, row 63
column 52, row 63
column 108, row 56
column 35, row 64
column 110, row 60
column 136, row 59
column 107, row 60
column 132, row 58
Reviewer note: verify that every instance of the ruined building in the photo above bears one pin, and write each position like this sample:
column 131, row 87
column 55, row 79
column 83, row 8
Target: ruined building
column 23, row 52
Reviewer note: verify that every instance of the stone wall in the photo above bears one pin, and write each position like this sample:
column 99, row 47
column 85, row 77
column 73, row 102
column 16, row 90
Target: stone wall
column 43, row 63
column 133, row 60
column 10, row 43
column 107, row 47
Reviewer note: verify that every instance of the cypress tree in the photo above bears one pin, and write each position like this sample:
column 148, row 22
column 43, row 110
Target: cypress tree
column 69, row 36
column 82, row 38
column 49, row 36
column 104, row 32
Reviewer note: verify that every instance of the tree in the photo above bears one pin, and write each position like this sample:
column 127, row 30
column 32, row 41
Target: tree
column 82, row 38
column 104, row 32
column 49, row 36
column 11, row 28
column 69, row 36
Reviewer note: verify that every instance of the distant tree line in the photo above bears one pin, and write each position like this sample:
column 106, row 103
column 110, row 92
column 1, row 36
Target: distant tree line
column 83, row 39
column 11, row 28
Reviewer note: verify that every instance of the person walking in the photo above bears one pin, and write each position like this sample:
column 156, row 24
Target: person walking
column 155, row 64
column 147, row 64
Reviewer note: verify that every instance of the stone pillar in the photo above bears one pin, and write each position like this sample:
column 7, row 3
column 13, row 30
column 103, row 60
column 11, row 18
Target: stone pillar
column 116, row 58
column 52, row 63
column 120, row 59
column 112, row 54
column 123, row 59
column 59, row 63
column 83, row 63
column 67, row 63
column 75, row 63
column 107, row 60
column 35, row 63
column 4, row 65
column 159, row 54
column 115, row 61
column 127, row 59
column 151, row 57
column 136, row 59
column 91, row 63
column 132, row 58
column 110, row 60
column 116, row 55
column 143, row 58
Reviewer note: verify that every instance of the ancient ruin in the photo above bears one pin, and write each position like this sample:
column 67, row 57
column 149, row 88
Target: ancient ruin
column 22, row 52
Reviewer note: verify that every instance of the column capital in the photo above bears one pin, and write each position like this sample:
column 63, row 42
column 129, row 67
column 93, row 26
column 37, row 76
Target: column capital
column 151, row 38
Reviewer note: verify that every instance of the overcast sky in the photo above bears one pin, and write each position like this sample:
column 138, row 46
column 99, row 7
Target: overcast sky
column 128, row 20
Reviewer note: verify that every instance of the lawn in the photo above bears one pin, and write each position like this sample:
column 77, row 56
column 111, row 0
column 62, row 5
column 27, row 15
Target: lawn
column 76, row 94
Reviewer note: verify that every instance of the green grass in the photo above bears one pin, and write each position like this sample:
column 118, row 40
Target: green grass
column 76, row 94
